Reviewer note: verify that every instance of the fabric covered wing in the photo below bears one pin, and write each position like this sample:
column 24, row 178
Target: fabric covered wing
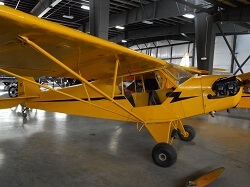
column 85, row 54
column 244, row 76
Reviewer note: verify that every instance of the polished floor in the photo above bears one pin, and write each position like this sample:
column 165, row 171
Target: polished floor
column 54, row 149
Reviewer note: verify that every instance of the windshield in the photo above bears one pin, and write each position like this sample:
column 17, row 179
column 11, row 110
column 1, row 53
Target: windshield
column 179, row 74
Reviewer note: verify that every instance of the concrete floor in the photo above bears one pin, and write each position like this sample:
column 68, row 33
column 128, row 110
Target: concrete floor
column 54, row 149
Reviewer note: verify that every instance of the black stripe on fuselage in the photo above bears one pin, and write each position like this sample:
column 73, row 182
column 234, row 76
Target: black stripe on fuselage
column 176, row 97
column 85, row 99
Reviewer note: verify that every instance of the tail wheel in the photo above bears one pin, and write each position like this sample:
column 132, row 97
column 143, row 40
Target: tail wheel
column 13, row 91
column 164, row 155
column 25, row 115
column 190, row 131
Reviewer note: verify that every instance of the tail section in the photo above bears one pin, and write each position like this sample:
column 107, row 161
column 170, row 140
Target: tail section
column 27, row 89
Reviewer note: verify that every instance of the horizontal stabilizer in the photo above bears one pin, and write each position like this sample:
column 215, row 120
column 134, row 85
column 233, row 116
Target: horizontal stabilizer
column 12, row 102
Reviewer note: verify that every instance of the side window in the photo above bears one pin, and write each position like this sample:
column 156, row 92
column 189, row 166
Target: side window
column 146, row 89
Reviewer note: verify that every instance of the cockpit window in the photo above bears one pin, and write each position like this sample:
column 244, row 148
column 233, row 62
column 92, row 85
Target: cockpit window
column 179, row 74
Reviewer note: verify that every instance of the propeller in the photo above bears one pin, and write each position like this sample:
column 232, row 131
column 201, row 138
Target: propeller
column 206, row 178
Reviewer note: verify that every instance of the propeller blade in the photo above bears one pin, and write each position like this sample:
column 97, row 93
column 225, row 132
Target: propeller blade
column 206, row 179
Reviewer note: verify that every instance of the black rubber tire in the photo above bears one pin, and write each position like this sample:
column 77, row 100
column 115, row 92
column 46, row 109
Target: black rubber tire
column 190, row 131
column 13, row 91
column 164, row 155
column 25, row 115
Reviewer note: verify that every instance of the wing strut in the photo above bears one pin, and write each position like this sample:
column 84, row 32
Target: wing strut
column 115, row 76
column 45, row 53
column 49, row 88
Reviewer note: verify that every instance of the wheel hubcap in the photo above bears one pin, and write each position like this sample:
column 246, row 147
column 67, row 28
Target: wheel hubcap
column 162, row 157
column 186, row 135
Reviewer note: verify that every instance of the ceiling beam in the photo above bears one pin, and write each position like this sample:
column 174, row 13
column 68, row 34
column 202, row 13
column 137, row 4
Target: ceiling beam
column 235, row 15
column 217, row 3
column 155, row 10
column 44, row 6
column 191, row 5
column 127, row 3
column 244, row 25
column 188, row 29
column 236, row 3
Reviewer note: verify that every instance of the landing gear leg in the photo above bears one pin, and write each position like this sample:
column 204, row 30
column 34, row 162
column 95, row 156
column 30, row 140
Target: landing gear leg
column 24, row 112
column 163, row 153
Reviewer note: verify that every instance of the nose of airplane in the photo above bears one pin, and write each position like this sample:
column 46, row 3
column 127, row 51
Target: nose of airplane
column 226, row 86
column 220, row 92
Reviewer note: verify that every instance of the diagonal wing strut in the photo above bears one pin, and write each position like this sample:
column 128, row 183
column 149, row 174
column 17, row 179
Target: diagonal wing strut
column 45, row 53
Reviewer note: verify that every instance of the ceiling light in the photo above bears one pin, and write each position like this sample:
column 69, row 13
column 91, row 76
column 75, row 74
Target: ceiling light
column 85, row 7
column 68, row 17
column 183, row 34
column 120, row 27
column 1, row 3
column 124, row 41
column 148, row 22
column 190, row 16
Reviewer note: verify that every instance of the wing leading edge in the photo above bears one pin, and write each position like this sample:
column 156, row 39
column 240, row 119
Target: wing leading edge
column 85, row 54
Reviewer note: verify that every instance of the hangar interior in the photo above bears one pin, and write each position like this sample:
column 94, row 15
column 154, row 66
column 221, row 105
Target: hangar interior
column 52, row 149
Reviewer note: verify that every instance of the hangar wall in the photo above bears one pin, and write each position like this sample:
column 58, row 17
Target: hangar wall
column 222, row 56
column 243, row 50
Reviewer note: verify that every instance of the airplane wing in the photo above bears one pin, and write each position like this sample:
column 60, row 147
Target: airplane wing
column 244, row 76
column 85, row 54
column 194, row 70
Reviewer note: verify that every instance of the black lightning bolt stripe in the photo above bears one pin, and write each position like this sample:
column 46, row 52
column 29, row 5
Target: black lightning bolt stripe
column 176, row 97
column 85, row 99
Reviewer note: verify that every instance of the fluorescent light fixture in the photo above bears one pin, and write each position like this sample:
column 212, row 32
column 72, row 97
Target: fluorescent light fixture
column 120, row 27
column 148, row 22
column 1, row 3
column 183, row 34
column 85, row 7
column 190, row 16
column 55, row 3
column 68, row 17
column 44, row 12
column 124, row 41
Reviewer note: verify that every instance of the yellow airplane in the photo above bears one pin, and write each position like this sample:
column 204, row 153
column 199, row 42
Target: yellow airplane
column 163, row 94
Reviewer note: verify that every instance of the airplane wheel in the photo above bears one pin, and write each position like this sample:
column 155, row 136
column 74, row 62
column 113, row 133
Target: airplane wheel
column 191, row 133
column 164, row 155
column 24, row 115
column 13, row 91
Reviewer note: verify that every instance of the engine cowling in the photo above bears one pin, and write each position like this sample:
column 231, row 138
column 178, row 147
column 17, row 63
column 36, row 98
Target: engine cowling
column 226, row 86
